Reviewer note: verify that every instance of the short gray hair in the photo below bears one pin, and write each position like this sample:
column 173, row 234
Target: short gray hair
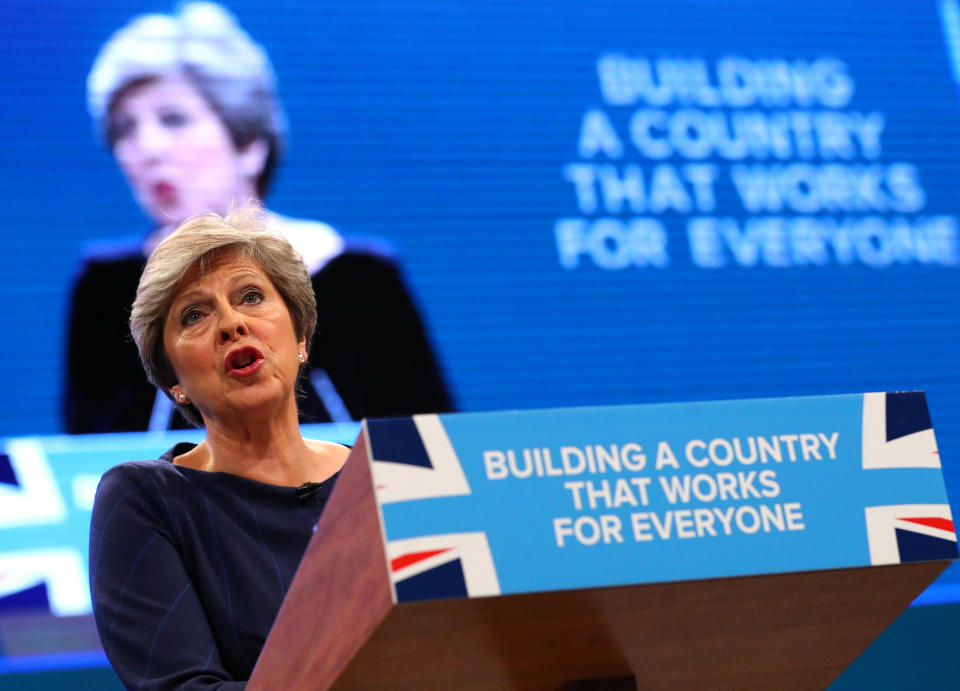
column 200, row 240
column 203, row 42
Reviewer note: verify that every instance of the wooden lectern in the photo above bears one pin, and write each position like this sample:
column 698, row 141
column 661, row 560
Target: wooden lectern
column 342, row 623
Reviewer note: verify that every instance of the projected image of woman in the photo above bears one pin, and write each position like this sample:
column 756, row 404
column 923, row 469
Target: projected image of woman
column 188, row 105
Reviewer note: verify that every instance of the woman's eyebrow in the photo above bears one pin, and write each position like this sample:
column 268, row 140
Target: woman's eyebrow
column 191, row 296
column 245, row 275
column 200, row 294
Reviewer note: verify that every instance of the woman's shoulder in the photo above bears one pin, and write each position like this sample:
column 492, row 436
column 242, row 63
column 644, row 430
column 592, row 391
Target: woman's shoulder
column 148, row 475
column 330, row 447
column 359, row 276
column 331, row 455
column 147, row 494
column 130, row 498
column 132, row 475
column 317, row 242
column 110, row 268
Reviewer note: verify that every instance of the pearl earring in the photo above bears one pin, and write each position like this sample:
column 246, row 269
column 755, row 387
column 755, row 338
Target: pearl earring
column 300, row 358
column 182, row 398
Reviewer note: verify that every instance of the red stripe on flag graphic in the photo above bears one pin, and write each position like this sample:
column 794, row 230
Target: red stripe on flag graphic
column 405, row 560
column 932, row 522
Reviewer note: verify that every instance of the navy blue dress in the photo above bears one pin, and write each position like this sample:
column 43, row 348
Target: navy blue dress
column 188, row 569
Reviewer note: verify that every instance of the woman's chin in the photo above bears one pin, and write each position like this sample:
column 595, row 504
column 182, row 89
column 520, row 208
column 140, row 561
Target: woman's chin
column 253, row 403
column 168, row 212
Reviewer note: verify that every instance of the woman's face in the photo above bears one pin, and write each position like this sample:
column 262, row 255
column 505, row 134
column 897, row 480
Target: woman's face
column 177, row 154
column 231, row 340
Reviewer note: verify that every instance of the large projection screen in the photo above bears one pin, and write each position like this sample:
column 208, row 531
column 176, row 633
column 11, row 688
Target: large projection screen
column 601, row 202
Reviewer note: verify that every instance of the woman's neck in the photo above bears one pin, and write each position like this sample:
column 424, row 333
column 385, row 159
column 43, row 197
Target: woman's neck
column 166, row 227
column 266, row 448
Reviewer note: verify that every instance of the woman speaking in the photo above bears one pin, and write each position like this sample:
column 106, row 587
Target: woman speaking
column 191, row 554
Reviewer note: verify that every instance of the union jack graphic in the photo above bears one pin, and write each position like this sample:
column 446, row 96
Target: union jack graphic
column 414, row 459
column 898, row 433
column 910, row 532
column 32, row 509
column 449, row 565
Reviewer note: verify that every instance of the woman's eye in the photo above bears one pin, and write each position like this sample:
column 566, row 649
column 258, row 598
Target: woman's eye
column 173, row 119
column 252, row 297
column 191, row 317
column 121, row 127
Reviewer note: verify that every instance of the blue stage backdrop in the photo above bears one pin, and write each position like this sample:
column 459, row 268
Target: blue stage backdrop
column 601, row 202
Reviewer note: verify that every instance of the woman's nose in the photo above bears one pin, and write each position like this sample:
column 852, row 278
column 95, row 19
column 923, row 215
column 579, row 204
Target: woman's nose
column 232, row 327
column 150, row 140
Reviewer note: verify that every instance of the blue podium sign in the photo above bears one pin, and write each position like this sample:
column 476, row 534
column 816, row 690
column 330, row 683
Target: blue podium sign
column 483, row 504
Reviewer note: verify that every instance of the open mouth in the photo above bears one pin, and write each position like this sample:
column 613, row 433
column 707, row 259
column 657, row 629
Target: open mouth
column 165, row 192
column 243, row 361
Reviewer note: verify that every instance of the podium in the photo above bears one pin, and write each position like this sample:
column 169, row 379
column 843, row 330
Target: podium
column 735, row 544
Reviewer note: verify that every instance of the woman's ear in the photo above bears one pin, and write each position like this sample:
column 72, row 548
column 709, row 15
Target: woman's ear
column 253, row 158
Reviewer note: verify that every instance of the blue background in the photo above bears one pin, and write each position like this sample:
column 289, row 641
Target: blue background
column 444, row 126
